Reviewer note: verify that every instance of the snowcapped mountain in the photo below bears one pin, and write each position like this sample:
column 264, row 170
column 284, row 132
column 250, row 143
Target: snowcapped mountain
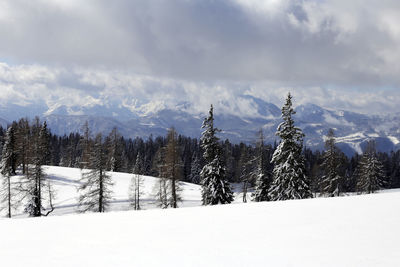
column 353, row 130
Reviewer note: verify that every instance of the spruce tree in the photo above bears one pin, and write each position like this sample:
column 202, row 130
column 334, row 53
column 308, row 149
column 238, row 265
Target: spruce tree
column 263, row 180
column 371, row 174
column 215, row 188
column 289, row 178
column 96, row 183
column 23, row 146
column 333, row 178
column 115, row 151
column 7, row 169
column 195, row 169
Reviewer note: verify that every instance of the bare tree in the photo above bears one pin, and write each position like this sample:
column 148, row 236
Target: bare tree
column 161, row 187
column 135, row 190
column 85, row 144
column 261, row 177
column 36, row 186
column 245, row 171
column 173, row 165
column 7, row 169
column 95, row 188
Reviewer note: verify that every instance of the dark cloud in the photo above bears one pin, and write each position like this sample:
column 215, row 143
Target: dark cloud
column 304, row 42
column 154, row 49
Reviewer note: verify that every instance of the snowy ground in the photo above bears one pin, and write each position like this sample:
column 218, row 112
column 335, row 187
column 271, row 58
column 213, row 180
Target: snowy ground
column 346, row 231
column 65, row 181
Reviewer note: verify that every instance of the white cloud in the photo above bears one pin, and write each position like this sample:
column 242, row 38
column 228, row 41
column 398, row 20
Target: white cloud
column 309, row 42
column 337, row 54
column 38, row 85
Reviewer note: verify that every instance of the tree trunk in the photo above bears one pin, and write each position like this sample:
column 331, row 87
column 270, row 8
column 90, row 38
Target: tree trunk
column 101, row 192
column 39, row 196
column 173, row 184
column 9, row 196
column 245, row 191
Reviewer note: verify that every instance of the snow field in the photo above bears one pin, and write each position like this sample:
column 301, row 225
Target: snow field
column 346, row 231
column 65, row 181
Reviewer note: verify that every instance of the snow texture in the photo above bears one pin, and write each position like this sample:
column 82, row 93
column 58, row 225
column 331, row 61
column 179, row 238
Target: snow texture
column 346, row 231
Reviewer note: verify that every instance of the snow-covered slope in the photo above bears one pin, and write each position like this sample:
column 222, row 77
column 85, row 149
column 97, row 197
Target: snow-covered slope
column 348, row 231
column 65, row 181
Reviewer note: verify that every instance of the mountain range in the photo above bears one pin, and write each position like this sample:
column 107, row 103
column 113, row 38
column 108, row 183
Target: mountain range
column 352, row 130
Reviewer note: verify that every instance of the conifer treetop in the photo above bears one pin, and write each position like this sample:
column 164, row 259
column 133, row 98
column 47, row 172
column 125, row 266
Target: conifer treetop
column 209, row 141
column 286, row 130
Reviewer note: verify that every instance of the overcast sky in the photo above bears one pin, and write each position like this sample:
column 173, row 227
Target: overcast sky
column 337, row 54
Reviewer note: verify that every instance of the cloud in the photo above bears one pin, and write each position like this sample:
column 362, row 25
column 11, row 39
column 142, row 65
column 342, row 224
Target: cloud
column 51, row 88
column 338, row 54
column 309, row 42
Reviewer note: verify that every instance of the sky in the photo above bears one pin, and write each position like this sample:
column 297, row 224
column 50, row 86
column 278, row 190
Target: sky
column 337, row 54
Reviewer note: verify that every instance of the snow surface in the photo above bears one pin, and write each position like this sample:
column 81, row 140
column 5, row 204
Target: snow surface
column 394, row 140
column 347, row 231
column 65, row 181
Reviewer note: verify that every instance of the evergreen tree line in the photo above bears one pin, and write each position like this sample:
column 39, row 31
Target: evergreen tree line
column 265, row 172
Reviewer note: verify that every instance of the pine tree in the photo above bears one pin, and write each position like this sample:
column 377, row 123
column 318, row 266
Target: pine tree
column 333, row 179
column 96, row 183
column 289, row 178
column 7, row 169
column 115, row 151
column 263, row 181
column 371, row 175
column 23, row 147
column 195, row 169
column 136, row 186
column 215, row 189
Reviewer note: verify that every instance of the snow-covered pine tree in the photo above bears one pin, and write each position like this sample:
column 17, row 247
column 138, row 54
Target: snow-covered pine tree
column 215, row 189
column 263, row 180
column 195, row 169
column 135, row 190
column 96, row 183
column 333, row 178
column 371, row 174
column 7, row 169
column 289, row 178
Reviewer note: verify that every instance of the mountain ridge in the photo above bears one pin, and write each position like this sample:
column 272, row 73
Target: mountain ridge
column 352, row 129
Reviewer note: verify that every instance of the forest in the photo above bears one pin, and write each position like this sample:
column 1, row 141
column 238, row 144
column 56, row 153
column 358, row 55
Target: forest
column 254, row 168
